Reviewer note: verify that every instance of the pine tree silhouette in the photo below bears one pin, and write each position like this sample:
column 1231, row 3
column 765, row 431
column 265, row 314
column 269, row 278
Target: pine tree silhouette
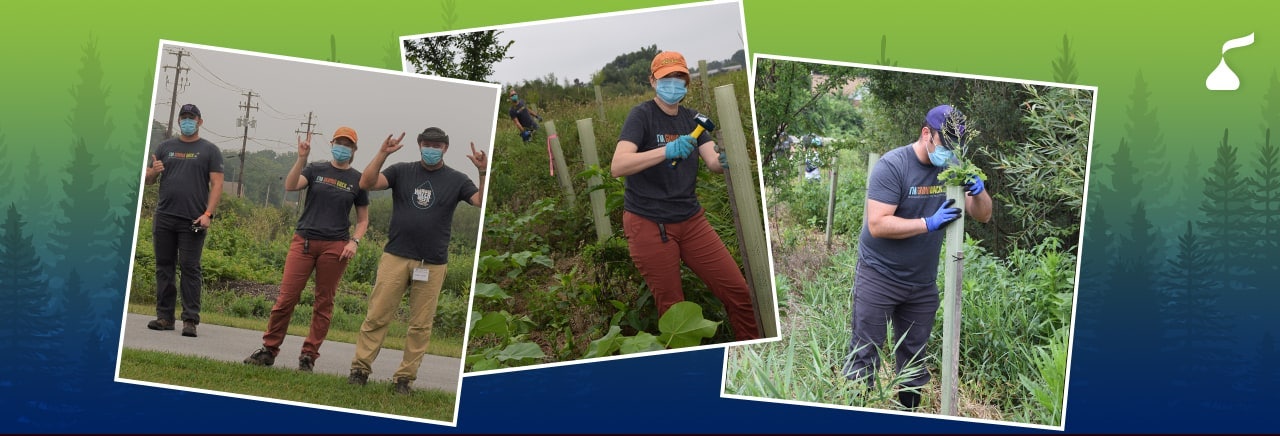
column 1226, row 207
column 1143, row 132
column 83, row 228
column 450, row 15
column 41, row 205
column 1064, row 68
column 25, row 327
column 1195, row 332
column 7, row 175
column 1271, row 105
column 1125, row 185
column 393, row 61
column 1133, row 300
column 1265, row 216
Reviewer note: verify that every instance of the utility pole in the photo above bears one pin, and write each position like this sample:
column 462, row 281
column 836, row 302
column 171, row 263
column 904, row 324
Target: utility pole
column 309, row 125
column 246, row 122
column 177, row 74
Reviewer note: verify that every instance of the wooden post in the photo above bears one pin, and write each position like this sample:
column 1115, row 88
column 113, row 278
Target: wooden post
column 750, row 222
column 562, row 170
column 831, row 199
column 872, row 158
column 951, row 298
column 600, row 103
column 586, row 133
column 706, row 86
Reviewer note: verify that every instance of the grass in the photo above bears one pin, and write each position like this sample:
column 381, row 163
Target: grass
column 282, row 384
column 448, row 346
column 1012, row 354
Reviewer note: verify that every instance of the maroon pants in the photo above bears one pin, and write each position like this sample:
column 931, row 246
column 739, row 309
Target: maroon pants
column 698, row 245
column 323, row 257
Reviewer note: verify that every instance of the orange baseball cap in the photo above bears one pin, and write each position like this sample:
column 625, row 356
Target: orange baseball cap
column 666, row 63
column 348, row 132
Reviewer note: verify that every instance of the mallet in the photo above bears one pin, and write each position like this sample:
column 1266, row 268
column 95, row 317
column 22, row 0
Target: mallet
column 704, row 124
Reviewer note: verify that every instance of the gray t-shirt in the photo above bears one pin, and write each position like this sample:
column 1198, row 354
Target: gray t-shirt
column 184, row 184
column 330, row 194
column 900, row 179
column 660, row 193
column 422, row 205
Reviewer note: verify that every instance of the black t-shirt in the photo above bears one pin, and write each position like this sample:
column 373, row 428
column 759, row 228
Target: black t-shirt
column 184, row 183
column 422, row 208
column 900, row 179
column 330, row 194
column 660, row 193
column 521, row 113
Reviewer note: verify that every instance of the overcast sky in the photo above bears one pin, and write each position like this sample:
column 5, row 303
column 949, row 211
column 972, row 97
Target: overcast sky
column 374, row 103
column 578, row 47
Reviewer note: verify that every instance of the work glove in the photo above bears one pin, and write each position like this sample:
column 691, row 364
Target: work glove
column 680, row 148
column 945, row 215
column 526, row 135
column 724, row 160
column 975, row 185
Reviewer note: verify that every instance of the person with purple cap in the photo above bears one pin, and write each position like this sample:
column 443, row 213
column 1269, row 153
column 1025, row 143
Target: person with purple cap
column 189, row 170
column 897, row 267
column 323, row 244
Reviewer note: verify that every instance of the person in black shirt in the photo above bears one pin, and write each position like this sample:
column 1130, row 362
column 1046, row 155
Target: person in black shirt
column 321, row 244
column 189, row 170
column 523, row 117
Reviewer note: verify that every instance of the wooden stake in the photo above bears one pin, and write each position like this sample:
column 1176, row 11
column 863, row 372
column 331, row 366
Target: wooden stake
column 951, row 299
column 747, row 216
column 831, row 200
column 586, row 133
column 562, row 170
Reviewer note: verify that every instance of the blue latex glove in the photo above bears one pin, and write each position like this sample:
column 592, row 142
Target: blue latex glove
column 680, row 148
column 975, row 186
column 724, row 160
column 526, row 135
column 945, row 215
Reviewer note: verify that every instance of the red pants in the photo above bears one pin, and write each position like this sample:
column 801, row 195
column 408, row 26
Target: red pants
column 698, row 245
column 323, row 257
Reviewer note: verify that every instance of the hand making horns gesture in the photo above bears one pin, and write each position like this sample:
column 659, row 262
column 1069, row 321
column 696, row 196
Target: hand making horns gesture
column 391, row 145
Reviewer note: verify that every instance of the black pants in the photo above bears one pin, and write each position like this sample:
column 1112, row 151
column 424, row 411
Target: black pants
column 879, row 302
column 175, row 242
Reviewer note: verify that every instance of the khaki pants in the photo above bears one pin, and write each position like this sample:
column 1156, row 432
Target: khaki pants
column 395, row 274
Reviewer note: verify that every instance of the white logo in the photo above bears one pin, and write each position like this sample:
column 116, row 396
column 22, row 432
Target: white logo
column 1222, row 78
column 422, row 197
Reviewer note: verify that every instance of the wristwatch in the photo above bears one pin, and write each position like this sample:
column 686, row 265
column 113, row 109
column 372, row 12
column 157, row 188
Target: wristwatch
column 356, row 240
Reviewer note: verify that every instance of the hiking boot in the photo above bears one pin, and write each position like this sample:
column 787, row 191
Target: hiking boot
column 402, row 386
column 160, row 324
column 358, row 377
column 262, row 357
column 188, row 329
column 909, row 400
column 306, row 362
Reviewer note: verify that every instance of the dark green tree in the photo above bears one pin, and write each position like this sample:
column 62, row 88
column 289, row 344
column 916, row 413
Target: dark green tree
column 82, row 227
column 1134, row 284
column 787, row 93
column 1195, row 323
column 1064, row 68
column 1143, row 132
column 1265, row 216
column 628, row 73
column 469, row 56
column 1226, row 207
column 24, row 322
column 1125, row 186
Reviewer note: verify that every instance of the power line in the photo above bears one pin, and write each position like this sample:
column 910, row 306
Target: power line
column 206, row 68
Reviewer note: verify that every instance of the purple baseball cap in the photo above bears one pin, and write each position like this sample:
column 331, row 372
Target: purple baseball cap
column 189, row 109
column 937, row 120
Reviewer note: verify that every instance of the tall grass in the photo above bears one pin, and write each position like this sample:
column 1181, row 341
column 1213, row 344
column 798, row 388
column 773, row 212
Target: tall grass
column 1016, row 311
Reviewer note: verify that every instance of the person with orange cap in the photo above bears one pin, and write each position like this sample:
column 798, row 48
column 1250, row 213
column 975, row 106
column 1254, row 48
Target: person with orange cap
column 322, row 244
column 662, row 218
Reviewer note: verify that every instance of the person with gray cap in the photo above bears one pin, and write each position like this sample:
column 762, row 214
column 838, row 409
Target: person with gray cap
column 897, row 267
column 322, row 245
column 189, row 170
column 424, row 195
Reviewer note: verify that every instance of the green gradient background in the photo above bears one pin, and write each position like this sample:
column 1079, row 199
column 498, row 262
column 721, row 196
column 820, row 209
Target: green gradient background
column 1113, row 41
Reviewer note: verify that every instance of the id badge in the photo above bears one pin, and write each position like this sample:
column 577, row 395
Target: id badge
column 421, row 274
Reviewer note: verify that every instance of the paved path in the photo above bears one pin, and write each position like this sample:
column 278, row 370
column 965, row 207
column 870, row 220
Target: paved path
column 233, row 345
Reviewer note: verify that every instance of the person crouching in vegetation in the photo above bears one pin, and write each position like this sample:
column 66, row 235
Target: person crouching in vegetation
column 321, row 244
column 663, row 220
column 897, row 269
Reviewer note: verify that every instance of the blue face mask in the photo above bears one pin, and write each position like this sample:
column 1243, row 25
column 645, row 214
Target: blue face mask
column 341, row 153
column 940, row 157
column 515, row 98
column 188, row 126
column 671, row 89
column 431, row 156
